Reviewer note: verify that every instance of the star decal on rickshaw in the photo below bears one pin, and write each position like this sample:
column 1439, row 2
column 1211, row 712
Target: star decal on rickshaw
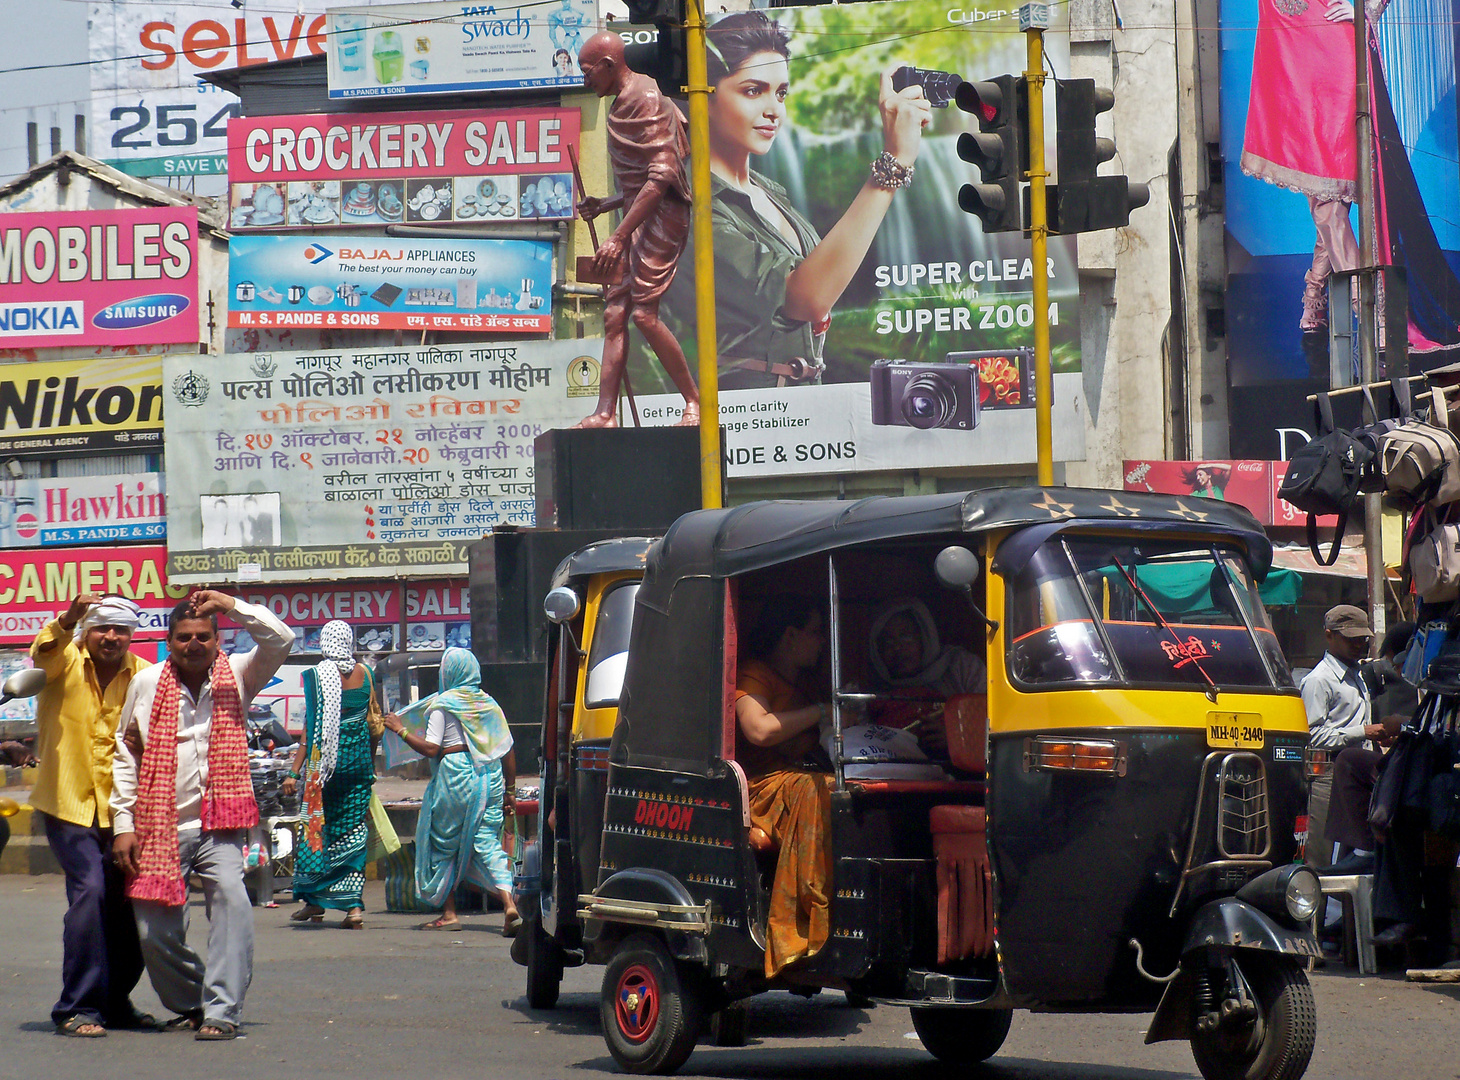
column 1119, row 509
column 1054, row 507
column 1188, row 513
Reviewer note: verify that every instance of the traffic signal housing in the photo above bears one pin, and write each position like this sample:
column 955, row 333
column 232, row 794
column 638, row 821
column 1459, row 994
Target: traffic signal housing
column 665, row 58
column 1082, row 201
column 998, row 149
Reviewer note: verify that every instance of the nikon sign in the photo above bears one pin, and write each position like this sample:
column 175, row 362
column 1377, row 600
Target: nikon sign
column 81, row 407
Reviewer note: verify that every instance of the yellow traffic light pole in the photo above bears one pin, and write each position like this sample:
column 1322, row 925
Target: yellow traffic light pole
column 705, row 339
column 1039, row 233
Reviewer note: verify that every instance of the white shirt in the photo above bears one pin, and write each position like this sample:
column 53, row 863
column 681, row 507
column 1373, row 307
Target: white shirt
column 252, row 671
column 1337, row 703
column 444, row 729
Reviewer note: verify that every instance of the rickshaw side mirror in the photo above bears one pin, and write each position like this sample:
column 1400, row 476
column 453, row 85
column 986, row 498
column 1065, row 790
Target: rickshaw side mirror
column 957, row 567
column 561, row 604
column 23, row 684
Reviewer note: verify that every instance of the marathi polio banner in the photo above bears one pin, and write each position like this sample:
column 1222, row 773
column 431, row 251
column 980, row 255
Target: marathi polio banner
column 502, row 286
column 860, row 331
column 359, row 463
column 372, row 169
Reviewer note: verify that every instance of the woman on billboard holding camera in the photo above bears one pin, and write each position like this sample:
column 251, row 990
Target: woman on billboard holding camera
column 776, row 279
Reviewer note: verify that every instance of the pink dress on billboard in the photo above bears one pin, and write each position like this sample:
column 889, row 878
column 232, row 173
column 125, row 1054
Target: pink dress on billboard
column 1300, row 116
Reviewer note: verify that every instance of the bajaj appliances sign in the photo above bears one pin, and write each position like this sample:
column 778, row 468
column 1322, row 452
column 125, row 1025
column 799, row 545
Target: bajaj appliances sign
column 102, row 277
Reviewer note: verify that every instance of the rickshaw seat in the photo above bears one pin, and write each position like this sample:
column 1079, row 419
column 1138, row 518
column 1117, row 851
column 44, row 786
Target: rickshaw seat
column 952, row 788
column 966, row 721
column 965, row 882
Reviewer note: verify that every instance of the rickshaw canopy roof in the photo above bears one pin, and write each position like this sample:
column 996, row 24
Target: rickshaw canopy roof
column 726, row 543
column 604, row 557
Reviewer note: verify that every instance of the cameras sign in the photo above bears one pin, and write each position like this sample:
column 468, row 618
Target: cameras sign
column 864, row 321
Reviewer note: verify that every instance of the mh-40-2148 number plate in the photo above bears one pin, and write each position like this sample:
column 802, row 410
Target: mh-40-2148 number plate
column 1235, row 730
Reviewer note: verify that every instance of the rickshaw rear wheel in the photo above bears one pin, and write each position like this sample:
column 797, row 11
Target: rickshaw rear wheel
column 962, row 1036
column 730, row 1026
column 544, row 966
column 651, row 1007
column 1278, row 1044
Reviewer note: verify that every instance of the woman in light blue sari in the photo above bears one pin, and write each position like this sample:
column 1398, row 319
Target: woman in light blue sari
column 462, row 731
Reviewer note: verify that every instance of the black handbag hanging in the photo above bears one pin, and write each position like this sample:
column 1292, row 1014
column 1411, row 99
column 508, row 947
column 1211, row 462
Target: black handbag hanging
column 1325, row 476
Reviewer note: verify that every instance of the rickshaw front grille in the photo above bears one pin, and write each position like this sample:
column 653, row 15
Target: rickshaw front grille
column 1244, row 825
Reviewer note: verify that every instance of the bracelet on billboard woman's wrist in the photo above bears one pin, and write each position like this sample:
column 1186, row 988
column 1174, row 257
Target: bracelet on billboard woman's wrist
column 889, row 173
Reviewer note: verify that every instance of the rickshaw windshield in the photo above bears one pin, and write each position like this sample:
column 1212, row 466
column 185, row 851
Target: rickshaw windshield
column 1140, row 613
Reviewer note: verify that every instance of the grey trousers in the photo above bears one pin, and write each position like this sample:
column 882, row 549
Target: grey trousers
column 183, row 982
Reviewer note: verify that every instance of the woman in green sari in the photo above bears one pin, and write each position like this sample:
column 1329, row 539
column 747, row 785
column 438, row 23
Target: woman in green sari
column 338, row 759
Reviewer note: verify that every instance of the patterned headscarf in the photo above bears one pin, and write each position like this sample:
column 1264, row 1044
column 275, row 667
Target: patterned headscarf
column 487, row 735
column 337, row 643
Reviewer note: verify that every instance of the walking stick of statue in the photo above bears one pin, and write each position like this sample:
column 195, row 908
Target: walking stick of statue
column 588, row 274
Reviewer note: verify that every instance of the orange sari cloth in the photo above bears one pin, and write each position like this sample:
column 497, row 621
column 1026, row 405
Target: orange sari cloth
column 793, row 806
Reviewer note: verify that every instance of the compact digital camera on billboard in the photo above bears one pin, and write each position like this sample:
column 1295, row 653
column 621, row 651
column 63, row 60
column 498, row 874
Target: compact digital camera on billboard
column 926, row 396
column 938, row 86
column 1005, row 376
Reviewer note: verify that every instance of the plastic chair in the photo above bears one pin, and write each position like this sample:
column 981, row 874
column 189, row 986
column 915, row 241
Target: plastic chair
column 1356, row 893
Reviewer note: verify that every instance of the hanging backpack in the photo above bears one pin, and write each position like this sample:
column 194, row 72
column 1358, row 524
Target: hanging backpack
column 1434, row 565
column 1420, row 461
column 1325, row 476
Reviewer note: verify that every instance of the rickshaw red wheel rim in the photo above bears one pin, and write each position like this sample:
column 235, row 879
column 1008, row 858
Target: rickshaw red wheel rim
column 636, row 1003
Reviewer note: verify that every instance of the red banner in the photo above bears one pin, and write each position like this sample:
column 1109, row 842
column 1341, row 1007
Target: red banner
column 1246, row 483
column 37, row 584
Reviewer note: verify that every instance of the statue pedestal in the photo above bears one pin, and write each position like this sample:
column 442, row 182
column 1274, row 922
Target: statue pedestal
column 633, row 479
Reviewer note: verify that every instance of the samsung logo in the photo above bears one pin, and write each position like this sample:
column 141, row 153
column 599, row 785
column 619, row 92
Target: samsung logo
column 142, row 311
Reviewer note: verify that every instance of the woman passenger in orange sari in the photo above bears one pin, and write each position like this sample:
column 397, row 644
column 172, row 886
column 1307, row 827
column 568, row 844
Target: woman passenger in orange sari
column 777, row 746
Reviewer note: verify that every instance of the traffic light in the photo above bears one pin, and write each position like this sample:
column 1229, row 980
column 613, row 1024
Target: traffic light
column 998, row 149
column 658, row 12
column 662, row 56
column 1083, row 201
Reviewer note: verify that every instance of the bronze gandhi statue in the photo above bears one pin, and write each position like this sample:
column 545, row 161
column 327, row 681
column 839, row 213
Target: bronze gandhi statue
column 648, row 145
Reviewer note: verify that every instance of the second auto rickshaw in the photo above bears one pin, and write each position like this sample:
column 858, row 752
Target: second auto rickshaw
column 1112, row 826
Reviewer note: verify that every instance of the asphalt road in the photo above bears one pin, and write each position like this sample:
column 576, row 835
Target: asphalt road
column 391, row 1002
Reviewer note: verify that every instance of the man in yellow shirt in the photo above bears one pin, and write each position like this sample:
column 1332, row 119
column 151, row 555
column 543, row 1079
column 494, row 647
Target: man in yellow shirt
column 86, row 655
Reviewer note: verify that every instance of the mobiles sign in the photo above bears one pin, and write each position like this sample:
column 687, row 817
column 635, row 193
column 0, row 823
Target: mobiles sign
column 99, row 277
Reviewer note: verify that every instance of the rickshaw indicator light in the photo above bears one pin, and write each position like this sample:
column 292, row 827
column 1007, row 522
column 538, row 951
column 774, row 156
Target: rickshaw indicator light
column 1050, row 753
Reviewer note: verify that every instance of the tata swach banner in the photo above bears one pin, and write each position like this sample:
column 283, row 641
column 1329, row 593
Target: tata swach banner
column 860, row 328
column 109, row 404
column 448, row 48
column 99, row 277
column 373, row 169
column 36, row 586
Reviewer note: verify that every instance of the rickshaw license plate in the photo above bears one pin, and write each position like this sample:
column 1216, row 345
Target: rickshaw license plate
column 1235, row 730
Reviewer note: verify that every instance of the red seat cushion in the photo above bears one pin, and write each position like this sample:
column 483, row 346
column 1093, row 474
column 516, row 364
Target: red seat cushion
column 965, row 882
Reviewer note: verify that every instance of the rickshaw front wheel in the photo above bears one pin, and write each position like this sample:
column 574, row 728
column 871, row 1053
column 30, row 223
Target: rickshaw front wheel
column 650, row 1007
column 962, row 1036
column 1277, row 1043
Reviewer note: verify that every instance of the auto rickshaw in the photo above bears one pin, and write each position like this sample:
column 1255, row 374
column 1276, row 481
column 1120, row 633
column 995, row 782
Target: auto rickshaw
column 1114, row 828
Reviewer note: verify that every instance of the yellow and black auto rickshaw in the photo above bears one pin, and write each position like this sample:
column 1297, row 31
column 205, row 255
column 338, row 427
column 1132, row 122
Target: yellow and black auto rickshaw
column 1111, row 828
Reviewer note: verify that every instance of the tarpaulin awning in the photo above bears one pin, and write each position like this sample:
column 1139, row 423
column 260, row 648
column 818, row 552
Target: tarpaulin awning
column 1182, row 588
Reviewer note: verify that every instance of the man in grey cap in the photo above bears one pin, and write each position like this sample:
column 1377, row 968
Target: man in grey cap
column 1339, row 710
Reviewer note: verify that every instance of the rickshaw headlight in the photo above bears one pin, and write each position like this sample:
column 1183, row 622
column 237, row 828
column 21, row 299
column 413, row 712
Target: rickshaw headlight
column 1302, row 894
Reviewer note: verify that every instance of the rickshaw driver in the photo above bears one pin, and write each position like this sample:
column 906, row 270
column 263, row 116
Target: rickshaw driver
column 789, row 787
column 907, row 655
